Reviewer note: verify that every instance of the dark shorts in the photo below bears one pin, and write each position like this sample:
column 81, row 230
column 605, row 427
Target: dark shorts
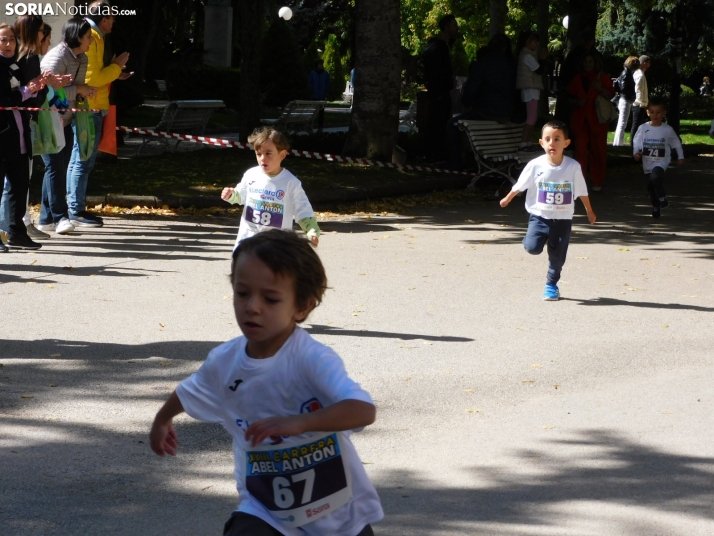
column 241, row 524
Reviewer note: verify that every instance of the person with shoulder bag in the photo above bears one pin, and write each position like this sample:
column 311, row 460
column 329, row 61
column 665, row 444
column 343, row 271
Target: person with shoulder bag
column 69, row 59
column 625, row 97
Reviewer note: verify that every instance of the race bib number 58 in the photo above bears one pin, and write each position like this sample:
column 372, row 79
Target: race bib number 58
column 264, row 213
column 301, row 483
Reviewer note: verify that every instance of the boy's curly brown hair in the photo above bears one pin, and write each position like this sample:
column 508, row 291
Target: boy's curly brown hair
column 286, row 254
column 261, row 135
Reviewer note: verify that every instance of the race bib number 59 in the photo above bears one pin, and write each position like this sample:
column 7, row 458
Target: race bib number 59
column 552, row 193
column 301, row 483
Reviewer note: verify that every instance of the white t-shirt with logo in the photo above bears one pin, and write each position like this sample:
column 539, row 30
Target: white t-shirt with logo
column 655, row 144
column 235, row 390
column 270, row 202
column 552, row 190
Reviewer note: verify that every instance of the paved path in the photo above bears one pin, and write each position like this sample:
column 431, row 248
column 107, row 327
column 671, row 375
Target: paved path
column 499, row 414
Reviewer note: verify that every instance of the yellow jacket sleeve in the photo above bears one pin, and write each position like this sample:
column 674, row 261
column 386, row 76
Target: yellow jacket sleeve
column 97, row 75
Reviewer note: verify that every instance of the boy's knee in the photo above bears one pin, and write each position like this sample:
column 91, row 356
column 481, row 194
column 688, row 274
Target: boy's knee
column 533, row 247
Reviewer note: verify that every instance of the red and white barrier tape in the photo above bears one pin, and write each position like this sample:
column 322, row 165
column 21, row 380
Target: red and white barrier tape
column 304, row 154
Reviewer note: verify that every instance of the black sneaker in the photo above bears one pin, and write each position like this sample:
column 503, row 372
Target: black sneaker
column 3, row 247
column 655, row 212
column 22, row 242
column 663, row 202
column 83, row 219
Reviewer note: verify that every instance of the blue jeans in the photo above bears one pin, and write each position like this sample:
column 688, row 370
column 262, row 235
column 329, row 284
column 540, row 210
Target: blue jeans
column 78, row 171
column 556, row 233
column 54, row 185
column 5, row 207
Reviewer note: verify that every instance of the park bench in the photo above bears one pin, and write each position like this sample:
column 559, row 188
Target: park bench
column 185, row 117
column 495, row 148
column 408, row 119
column 298, row 116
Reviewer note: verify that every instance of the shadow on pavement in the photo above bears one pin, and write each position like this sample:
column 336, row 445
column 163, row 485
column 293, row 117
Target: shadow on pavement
column 608, row 469
column 317, row 329
column 653, row 305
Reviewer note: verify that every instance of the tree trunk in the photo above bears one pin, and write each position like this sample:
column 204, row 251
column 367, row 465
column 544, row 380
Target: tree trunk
column 375, row 110
column 582, row 15
column 543, row 25
column 156, row 7
column 498, row 10
column 249, row 106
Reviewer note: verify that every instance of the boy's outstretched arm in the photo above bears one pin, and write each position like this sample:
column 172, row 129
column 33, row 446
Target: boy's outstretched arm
column 513, row 193
column 231, row 195
column 592, row 218
column 345, row 415
column 162, row 437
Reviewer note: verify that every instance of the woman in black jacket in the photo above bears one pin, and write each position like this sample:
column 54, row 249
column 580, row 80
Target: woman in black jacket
column 15, row 140
column 625, row 97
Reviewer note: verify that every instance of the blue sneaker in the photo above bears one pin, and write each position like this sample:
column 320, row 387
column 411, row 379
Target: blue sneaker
column 84, row 219
column 551, row 292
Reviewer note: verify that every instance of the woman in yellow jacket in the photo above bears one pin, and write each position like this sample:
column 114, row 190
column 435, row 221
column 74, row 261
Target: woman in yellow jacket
column 99, row 76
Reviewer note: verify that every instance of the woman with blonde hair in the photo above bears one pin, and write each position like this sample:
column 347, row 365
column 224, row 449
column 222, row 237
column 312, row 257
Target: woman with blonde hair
column 626, row 93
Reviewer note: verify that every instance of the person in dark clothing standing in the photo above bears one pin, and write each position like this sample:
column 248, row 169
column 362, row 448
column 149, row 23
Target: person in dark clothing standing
column 488, row 92
column 439, row 81
column 570, row 68
column 626, row 96
column 319, row 82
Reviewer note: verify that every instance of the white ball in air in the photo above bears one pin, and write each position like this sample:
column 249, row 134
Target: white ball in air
column 285, row 13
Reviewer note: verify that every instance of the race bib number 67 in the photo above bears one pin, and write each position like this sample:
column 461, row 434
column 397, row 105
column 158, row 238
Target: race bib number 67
column 301, row 483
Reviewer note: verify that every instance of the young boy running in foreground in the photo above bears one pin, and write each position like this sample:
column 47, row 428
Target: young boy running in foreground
column 286, row 400
column 272, row 196
column 653, row 145
column 554, row 182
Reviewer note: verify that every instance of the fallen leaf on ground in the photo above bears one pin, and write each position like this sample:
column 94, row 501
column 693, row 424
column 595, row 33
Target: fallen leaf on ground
column 27, row 396
column 55, row 355
column 548, row 427
column 49, row 286
column 165, row 363
column 623, row 249
column 69, row 268
column 665, row 326
column 556, row 385
column 33, row 262
column 162, row 325
column 469, row 390
column 52, row 385
column 536, row 365
column 582, row 258
column 472, row 410
column 528, row 381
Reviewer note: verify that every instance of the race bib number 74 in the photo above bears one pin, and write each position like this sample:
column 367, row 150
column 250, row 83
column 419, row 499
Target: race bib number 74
column 301, row 483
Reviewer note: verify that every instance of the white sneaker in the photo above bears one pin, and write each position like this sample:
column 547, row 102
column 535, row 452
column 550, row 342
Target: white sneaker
column 64, row 226
column 46, row 227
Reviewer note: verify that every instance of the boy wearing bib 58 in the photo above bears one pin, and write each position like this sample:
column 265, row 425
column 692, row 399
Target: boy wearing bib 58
column 286, row 400
column 554, row 181
column 272, row 196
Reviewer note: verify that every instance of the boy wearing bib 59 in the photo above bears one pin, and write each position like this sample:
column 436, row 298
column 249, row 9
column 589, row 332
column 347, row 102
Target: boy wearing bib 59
column 285, row 399
column 554, row 181
column 272, row 196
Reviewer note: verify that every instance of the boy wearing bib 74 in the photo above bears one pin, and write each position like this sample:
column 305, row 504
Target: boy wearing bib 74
column 554, row 181
column 272, row 196
column 285, row 399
